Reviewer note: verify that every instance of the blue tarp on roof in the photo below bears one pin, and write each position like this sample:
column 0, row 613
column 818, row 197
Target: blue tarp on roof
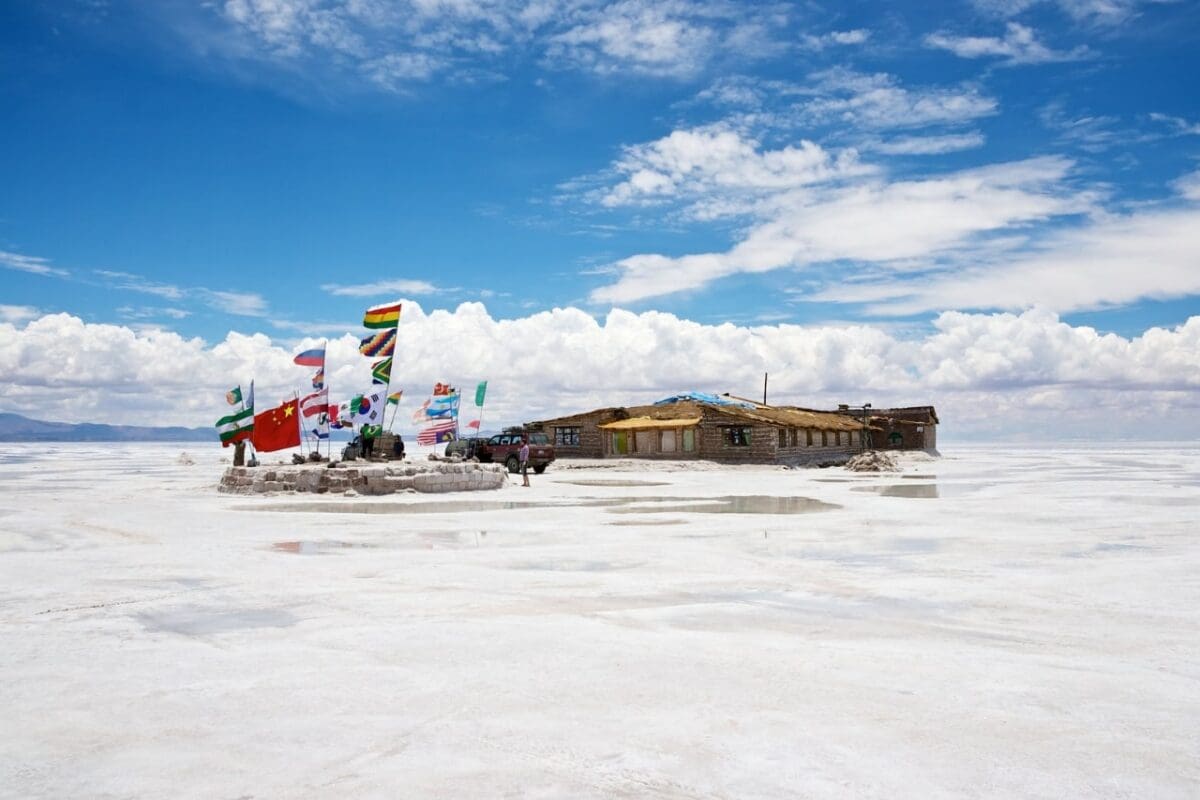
column 703, row 397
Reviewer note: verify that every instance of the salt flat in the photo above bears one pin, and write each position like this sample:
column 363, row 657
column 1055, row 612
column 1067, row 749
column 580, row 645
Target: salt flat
column 1001, row 622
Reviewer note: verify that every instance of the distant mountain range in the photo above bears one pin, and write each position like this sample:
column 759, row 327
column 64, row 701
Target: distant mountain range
column 15, row 428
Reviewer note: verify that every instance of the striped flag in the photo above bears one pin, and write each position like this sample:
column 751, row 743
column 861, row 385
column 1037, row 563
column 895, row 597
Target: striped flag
column 381, row 371
column 437, row 433
column 379, row 345
column 234, row 396
column 419, row 415
column 236, row 426
column 382, row 317
column 318, row 380
column 394, row 397
column 311, row 358
column 445, row 405
column 315, row 403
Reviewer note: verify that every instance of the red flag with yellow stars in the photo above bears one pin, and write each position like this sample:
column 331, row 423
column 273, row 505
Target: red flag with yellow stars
column 280, row 428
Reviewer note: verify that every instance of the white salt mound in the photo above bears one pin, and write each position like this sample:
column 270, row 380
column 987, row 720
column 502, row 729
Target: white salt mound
column 872, row 461
column 184, row 459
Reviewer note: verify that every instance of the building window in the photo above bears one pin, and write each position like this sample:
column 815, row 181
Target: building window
column 737, row 437
column 567, row 437
column 689, row 440
column 824, row 439
column 783, row 437
column 667, row 441
column 808, row 437
column 853, row 437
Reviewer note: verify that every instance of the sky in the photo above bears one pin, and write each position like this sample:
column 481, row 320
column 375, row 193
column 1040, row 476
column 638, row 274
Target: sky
column 989, row 206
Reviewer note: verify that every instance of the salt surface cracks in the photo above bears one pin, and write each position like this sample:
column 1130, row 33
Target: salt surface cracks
column 1029, row 632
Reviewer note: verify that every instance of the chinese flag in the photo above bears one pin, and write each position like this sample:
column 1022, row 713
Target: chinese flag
column 277, row 428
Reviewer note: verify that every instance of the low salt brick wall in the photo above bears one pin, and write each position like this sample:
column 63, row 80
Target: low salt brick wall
column 365, row 479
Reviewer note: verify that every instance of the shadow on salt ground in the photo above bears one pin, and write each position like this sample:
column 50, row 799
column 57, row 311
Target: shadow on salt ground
column 922, row 491
column 323, row 547
column 638, row 522
column 1109, row 547
column 198, row 621
column 730, row 504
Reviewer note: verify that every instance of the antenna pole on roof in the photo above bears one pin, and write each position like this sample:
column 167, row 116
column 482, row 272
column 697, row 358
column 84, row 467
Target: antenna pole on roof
column 765, row 388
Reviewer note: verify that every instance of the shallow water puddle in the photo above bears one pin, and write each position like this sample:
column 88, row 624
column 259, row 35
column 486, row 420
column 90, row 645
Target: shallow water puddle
column 614, row 482
column 732, row 504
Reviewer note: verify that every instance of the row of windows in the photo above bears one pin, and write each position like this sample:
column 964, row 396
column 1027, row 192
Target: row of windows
column 567, row 437
column 796, row 437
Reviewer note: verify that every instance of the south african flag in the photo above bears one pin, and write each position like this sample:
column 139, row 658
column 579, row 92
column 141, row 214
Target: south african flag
column 381, row 371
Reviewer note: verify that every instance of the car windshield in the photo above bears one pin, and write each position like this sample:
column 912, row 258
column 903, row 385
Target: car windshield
column 539, row 438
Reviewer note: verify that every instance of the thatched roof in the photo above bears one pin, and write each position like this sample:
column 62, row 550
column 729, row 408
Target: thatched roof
column 779, row 416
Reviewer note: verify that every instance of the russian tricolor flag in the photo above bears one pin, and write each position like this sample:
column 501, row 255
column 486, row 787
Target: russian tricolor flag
column 312, row 358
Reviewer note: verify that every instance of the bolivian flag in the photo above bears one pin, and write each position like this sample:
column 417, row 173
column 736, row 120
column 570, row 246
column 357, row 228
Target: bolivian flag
column 379, row 345
column 382, row 317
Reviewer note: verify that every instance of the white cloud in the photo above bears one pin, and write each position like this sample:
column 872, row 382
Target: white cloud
column 927, row 145
column 717, row 161
column 136, row 283
column 877, row 101
column 875, row 221
column 245, row 304
column 1019, row 45
column 1114, row 260
column 17, row 314
column 388, row 287
column 1098, row 12
column 1178, row 125
column 35, row 265
column 1030, row 368
column 1188, row 185
column 835, row 38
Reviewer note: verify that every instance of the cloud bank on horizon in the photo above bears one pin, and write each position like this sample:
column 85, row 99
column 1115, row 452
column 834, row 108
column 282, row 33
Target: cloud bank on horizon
column 990, row 206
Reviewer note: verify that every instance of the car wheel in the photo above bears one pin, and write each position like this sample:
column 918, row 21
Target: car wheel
column 540, row 469
column 512, row 464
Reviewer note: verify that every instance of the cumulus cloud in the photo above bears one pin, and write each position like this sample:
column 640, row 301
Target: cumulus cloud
column 17, row 314
column 717, row 161
column 1019, row 45
column 971, row 366
column 876, row 221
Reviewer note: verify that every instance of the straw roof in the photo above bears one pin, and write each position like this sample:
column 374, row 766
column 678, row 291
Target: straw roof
column 781, row 416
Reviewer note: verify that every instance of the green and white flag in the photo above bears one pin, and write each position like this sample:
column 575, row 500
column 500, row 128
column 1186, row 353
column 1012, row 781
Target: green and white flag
column 234, row 396
column 236, row 426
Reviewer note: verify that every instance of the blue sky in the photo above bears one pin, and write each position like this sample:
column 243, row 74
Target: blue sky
column 273, row 167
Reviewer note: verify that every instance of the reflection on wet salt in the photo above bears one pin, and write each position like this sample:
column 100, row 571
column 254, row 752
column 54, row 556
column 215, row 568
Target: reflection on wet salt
column 197, row 621
column 639, row 522
column 575, row 566
column 608, row 482
column 324, row 546
column 730, row 504
column 733, row 504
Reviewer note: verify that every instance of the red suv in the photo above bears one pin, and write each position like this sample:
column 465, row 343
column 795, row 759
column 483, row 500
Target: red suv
column 503, row 449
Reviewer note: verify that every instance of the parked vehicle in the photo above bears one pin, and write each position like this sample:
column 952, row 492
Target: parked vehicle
column 465, row 447
column 504, row 447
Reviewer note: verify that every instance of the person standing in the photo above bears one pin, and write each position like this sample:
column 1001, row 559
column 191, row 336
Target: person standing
column 523, row 457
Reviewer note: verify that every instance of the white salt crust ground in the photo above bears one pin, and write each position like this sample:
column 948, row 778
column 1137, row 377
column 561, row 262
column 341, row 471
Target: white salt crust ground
column 1023, row 625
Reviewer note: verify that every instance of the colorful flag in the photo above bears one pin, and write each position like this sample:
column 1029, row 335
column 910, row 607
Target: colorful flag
column 311, row 358
column 443, row 406
column 381, row 371
column 334, row 416
column 394, row 397
column 318, row 379
column 318, row 425
column 379, row 345
column 419, row 415
column 442, row 388
column 382, row 317
column 277, row 428
column 236, row 427
column 315, row 403
column 370, row 408
column 480, row 391
column 250, row 397
column 473, row 424
column 437, row 433
column 234, row 396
